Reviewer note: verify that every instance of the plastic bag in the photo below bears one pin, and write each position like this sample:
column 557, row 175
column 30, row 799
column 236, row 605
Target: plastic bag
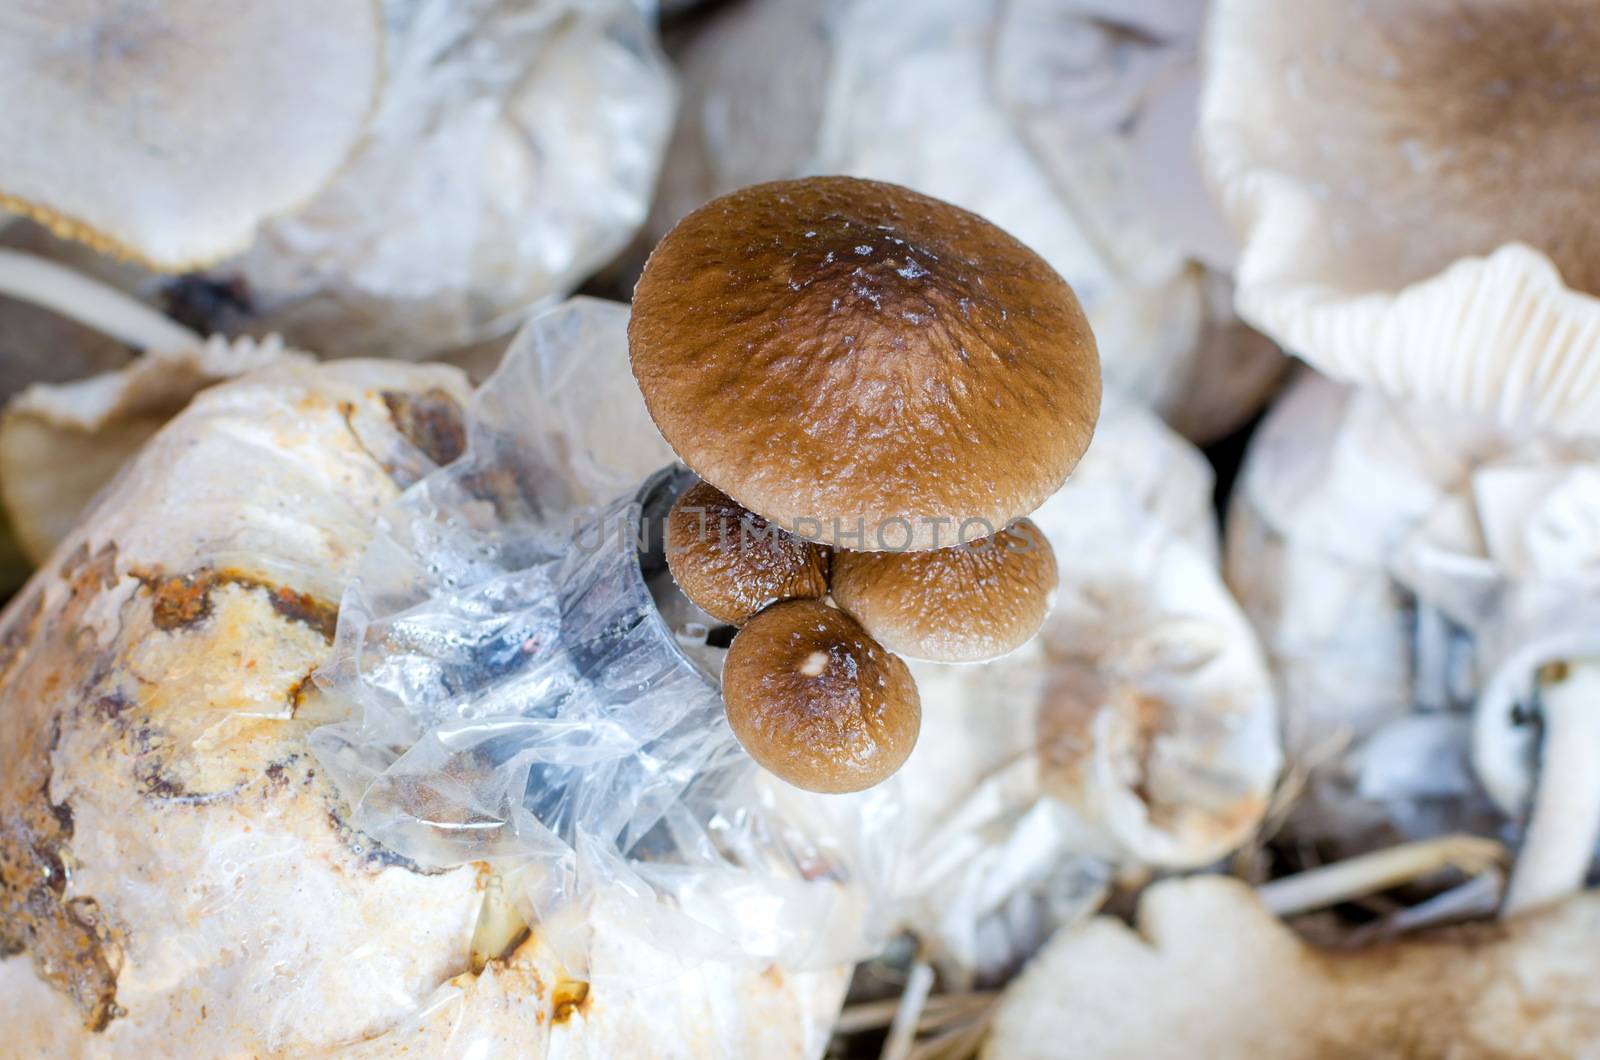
column 511, row 153
column 1032, row 115
column 1410, row 571
column 225, row 895
column 1137, row 731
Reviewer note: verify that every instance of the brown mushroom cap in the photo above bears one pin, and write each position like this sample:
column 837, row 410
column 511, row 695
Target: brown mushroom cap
column 817, row 701
column 964, row 603
column 840, row 354
column 731, row 563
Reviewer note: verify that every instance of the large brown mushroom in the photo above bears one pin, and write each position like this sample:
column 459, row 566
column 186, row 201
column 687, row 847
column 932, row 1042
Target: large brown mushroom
column 863, row 364
column 1413, row 186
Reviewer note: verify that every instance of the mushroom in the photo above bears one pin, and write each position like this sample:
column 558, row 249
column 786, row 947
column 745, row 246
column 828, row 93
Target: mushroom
column 947, row 378
column 1137, row 731
column 1068, row 124
column 862, row 364
column 510, row 154
column 1411, row 185
column 215, row 630
column 1435, row 572
column 503, row 158
column 1208, row 965
column 166, row 133
column 963, row 603
column 816, row 701
column 59, row 444
column 731, row 564
column 1376, row 685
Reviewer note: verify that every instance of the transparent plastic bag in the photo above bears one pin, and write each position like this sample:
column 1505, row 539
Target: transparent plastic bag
column 655, row 896
column 1137, row 731
column 1410, row 571
column 512, row 153
column 504, row 643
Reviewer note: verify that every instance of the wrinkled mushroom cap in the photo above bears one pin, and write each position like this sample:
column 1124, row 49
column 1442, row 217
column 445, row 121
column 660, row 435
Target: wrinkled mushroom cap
column 1413, row 185
column 817, row 701
column 1209, row 967
column 731, row 563
column 964, row 603
column 836, row 354
column 167, row 131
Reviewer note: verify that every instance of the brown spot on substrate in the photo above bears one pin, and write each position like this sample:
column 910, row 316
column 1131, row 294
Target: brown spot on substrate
column 184, row 600
column 568, row 997
column 431, row 421
column 72, row 948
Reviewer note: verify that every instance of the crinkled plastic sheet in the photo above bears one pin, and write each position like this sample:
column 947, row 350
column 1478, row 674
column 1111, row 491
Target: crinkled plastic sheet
column 1410, row 571
column 522, row 700
column 1018, row 827
column 512, row 152
column 1067, row 124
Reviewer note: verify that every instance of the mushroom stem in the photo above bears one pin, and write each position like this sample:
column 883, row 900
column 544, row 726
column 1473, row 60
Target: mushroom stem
column 90, row 302
column 1564, row 823
column 1360, row 876
column 903, row 1031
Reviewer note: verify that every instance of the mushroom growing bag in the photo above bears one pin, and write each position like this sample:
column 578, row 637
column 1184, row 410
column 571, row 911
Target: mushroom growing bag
column 322, row 738
column 1064, row 124
column 510, row 662
column 511, row 153
column 1410, row 573
column 1138, row 730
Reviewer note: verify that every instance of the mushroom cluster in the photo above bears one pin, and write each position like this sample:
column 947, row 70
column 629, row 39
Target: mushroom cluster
column 876, row 388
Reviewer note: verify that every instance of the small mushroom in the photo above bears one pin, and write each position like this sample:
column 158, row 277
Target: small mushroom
column 964, row 603
column 863, row 364
column 1413, row 185
column 816, row 701
column 1207, row 965
column 173, row 128
column 730, row 563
